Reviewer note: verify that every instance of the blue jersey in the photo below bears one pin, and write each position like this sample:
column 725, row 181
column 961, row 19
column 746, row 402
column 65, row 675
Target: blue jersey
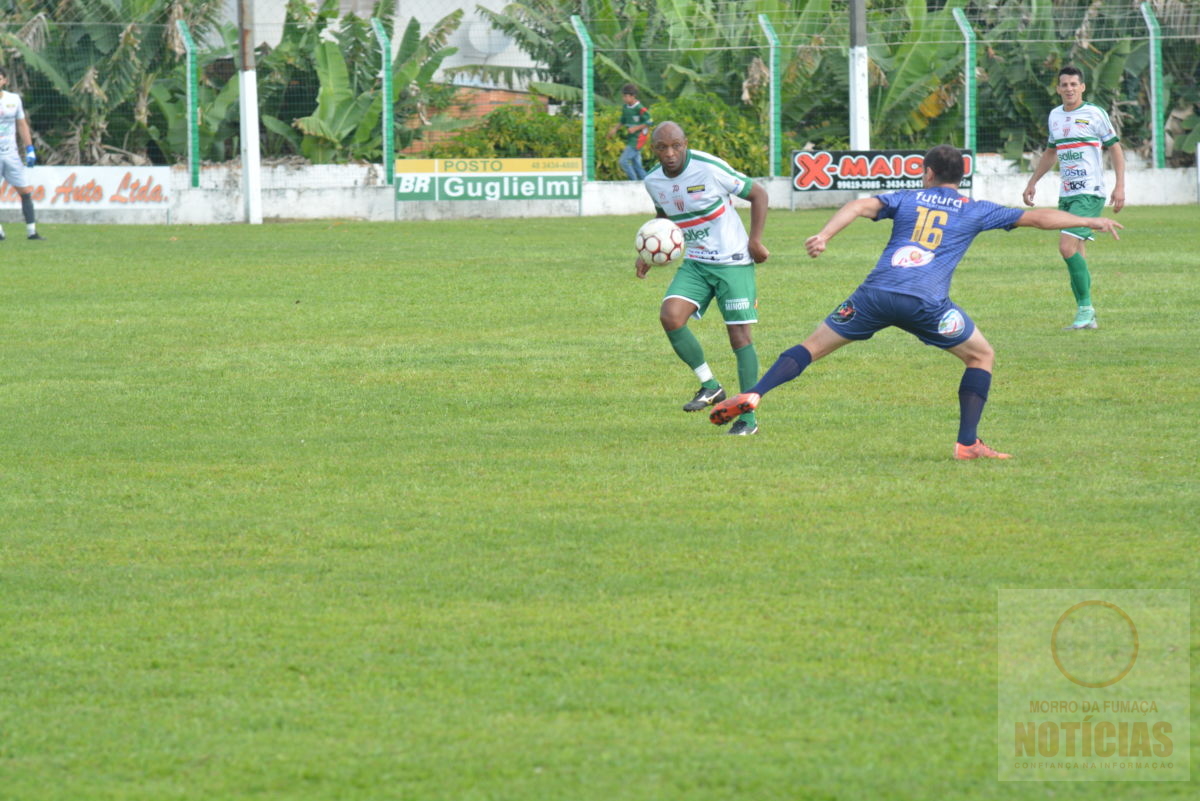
column 931, row 231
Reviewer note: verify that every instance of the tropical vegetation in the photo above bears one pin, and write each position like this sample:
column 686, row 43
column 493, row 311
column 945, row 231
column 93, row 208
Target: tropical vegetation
column 104, row 80
column 916, row 62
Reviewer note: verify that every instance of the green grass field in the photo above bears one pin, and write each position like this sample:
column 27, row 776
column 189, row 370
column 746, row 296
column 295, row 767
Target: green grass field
column 410, row 511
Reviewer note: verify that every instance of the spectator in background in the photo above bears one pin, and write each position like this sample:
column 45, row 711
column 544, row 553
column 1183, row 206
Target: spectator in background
column 15, row 136
column 635, row 118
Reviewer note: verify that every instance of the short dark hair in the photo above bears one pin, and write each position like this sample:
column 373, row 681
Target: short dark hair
column 946, row 161
column 629, row 89
column 1069, row 70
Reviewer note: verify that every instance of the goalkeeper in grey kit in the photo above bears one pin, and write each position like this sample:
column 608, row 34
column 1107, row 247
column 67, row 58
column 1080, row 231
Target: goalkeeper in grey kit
column 695, row 190
column 15, row 139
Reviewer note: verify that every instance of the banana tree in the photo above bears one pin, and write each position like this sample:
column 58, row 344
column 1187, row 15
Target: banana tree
column 346, row 123
column 88, row 70
column 918, row 79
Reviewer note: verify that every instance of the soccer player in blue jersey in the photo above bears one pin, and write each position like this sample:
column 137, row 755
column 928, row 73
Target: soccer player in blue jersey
column 910, row 286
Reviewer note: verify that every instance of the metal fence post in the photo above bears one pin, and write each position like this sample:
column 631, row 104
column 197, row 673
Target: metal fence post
column 589, row 146
column 776, row 121
column 193, row 104
column 388, row 115
column 1159, row 133
column 968, row 74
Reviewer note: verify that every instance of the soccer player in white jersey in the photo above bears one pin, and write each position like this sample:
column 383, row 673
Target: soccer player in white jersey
column 1079, row 133
column 695, row 190
column 16, row 137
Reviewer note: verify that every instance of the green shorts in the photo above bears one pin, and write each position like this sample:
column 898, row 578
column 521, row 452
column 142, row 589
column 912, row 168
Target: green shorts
column 731, row 284
column 1084, row 206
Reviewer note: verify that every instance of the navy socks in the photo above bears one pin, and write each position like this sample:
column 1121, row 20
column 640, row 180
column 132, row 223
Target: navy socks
column 789, row 365
column 972, row 395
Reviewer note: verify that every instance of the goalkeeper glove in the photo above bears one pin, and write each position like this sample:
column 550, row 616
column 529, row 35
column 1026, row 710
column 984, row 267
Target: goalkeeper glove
column 30, row 156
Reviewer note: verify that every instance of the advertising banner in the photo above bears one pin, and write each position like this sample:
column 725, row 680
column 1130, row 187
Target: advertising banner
column 865, row 170
column 93, row 188
column 489, row 179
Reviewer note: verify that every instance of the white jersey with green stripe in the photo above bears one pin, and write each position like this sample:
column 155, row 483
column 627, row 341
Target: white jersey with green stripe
column 700, row 201
column 1079, row 137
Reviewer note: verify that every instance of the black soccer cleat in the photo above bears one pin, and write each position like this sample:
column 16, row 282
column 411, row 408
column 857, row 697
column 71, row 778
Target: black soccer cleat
column 36, row 236
column 742, row 429
column 704, row 398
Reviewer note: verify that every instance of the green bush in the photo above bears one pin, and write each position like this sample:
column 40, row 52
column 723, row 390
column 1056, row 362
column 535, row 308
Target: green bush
column 710, row 125
column 528, row 132
column 513, row 132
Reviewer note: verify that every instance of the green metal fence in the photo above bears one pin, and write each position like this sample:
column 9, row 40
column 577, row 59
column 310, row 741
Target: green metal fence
column 773, row 75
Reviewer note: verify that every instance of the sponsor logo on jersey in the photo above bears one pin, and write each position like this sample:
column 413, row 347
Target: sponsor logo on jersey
column 952, row 323
column 911, row 256
column 695, row 235
column 1083, row 121
column 1074, row 172
column 696, row 188
column 932, row 199
column 1074, row 186
column 737, row 304
column 844, row 313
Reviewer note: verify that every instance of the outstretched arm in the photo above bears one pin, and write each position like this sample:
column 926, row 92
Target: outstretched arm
column 1049, row 156
column 863, row 207
column 1050, row 219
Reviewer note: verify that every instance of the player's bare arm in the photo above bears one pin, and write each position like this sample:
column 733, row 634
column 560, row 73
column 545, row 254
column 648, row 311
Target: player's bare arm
column 24, row 135
column 1118, row 162
column 759, row 201
column 862, row 207
column 1049, row 157
column 1053, row 219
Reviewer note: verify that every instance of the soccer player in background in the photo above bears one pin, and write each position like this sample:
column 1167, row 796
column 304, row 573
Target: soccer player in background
column 635, row 119
column 695, row 190
column 910, row 286
column 1079, row 132
column 15, row 134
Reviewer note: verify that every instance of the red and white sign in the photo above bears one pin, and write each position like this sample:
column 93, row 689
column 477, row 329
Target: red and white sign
column 93, row 188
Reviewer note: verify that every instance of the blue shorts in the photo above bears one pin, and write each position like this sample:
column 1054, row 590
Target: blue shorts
column 940, row 323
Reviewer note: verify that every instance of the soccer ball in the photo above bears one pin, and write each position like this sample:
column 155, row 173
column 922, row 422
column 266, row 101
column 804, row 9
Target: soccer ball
column 659, row 242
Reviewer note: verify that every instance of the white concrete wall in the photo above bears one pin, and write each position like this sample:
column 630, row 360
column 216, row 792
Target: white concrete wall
column 358, row 192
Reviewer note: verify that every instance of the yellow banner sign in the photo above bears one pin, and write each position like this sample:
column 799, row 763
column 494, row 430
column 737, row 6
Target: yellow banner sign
column 488, row 166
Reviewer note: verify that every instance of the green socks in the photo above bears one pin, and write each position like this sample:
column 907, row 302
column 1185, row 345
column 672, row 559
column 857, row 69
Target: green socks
column 1081, row 280
column 688, row 348
column 747, row 367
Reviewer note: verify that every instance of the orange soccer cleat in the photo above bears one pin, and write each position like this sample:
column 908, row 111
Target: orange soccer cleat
column 738, row 405
column 977, row 451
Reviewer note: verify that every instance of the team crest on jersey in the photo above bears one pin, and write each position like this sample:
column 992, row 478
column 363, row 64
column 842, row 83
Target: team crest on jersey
column 844, row 313
column 911, row 256
column 679, row 204
column 952, row 323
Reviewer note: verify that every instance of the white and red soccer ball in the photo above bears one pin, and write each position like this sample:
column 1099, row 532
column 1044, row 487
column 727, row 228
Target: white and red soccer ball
column 659, row 242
